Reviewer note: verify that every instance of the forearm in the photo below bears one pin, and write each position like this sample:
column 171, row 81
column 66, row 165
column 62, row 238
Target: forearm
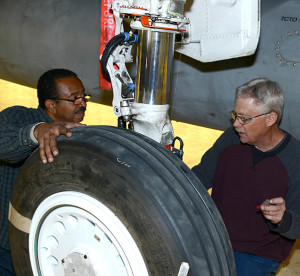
column 16, row 143
column 289, row 227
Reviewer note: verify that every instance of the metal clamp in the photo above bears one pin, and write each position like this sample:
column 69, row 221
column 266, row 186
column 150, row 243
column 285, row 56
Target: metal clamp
column 177, row 152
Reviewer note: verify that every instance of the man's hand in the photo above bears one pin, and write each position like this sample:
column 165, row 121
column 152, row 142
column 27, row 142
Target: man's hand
column 273, row 209
column 47, row 133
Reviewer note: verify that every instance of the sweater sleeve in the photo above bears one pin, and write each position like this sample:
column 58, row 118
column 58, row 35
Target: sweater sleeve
column 205, row 170
column 289, row 227
column 15, row 127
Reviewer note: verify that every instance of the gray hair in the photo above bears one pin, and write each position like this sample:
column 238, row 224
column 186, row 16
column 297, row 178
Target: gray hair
column 265, row 93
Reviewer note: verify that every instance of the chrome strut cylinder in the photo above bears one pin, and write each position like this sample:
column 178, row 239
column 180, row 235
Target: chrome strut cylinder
column 154, row 67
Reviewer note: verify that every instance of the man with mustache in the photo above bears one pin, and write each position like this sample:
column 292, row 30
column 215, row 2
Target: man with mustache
column 254, row 172
column 62, row 105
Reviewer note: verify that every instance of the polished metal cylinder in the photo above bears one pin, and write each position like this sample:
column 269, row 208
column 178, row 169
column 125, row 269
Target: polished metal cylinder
column 154, row 67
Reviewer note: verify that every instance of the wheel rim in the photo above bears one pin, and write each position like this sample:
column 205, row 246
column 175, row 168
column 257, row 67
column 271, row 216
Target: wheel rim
column 73, row 233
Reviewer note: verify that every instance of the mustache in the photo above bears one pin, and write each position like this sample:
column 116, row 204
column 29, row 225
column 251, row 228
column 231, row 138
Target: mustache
column 80, row 109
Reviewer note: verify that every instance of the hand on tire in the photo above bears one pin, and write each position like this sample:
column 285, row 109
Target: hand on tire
column 47, row 133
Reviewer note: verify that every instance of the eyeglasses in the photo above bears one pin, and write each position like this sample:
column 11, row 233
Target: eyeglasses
column 76, row 100
column 242, row 120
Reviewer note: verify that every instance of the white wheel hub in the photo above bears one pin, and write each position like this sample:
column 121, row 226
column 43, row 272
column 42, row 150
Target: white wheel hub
column 74, row 234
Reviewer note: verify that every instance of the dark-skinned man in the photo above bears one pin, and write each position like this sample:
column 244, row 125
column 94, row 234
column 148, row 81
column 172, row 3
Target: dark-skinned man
column 62, row 105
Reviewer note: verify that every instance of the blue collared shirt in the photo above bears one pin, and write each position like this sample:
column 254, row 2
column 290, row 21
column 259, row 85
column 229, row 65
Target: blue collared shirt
column 15, row 146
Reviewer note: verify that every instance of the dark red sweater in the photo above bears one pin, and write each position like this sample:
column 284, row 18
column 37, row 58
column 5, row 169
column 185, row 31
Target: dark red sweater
column 243, row 177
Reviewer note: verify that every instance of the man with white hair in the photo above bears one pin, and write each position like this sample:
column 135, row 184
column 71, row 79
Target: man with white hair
column 254, row 172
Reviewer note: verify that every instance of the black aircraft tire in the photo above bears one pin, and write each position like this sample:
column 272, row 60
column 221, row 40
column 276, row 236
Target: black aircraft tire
column 165, row 209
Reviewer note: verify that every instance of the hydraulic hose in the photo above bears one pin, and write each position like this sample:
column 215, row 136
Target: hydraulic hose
column 110, row 47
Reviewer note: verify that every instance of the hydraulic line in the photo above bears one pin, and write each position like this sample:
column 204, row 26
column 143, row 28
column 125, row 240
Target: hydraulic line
column 111, row 46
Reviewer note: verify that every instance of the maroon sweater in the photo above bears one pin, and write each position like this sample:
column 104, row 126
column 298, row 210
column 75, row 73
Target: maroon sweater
column 243, row 177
